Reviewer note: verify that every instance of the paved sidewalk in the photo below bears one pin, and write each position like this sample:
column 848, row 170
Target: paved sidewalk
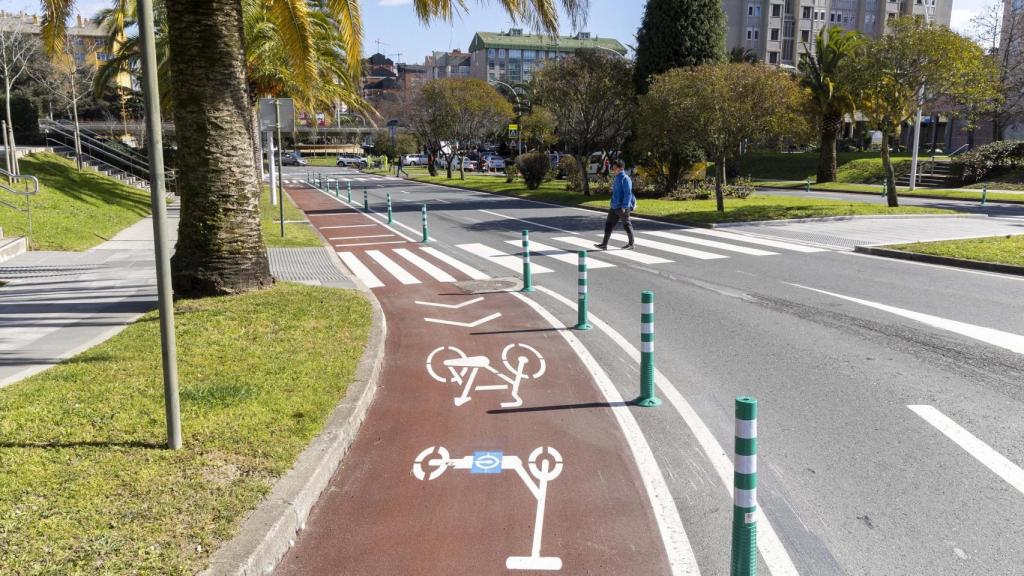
column 57, row 304
column 847, row 233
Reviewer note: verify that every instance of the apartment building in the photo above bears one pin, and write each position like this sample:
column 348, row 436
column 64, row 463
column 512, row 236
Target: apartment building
column 778, row 30
column 454, row 64
column 514, row 56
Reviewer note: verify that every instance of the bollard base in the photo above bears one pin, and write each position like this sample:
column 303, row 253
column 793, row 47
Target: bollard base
column 648, row 402
column 527, row 289
column 583, row 326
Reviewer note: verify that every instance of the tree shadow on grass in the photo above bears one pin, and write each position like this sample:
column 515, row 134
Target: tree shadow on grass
column 57, row 444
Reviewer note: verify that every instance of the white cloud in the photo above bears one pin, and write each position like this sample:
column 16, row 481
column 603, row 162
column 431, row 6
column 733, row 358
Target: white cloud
column 389, row 3
column 960, row 20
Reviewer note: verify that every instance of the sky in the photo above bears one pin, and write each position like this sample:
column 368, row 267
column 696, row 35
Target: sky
column 395, row 25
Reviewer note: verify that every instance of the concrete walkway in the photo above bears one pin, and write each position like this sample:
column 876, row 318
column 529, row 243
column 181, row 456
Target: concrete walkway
column 846, row 233
column 57, row 304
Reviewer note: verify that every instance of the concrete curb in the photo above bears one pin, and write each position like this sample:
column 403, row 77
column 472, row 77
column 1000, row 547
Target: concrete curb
column 941, row 260
column 927, row 196
column 841, row 219
column 269, row 531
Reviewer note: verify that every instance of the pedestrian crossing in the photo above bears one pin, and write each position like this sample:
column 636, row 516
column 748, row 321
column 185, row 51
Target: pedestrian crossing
column 333, row 178
column 411, row 264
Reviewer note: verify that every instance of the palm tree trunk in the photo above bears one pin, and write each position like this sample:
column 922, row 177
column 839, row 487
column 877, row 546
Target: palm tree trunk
column 830, row 126
column 220, row 246
column 890, row 176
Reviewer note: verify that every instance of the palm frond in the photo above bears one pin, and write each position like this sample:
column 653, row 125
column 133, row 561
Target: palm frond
column 54, row 25
column 350, row 27
column 291, row 18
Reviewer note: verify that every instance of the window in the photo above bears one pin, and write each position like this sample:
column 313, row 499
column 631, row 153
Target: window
column 774, row 36
column 805, row 35
column 806, row 15
column 757, row 10
column 776, row 10
column 501, row 53
column 529, row 55
column 750, row 33
column 491, row 53
column 750, row 9
column 514, row 53
column 773, row 57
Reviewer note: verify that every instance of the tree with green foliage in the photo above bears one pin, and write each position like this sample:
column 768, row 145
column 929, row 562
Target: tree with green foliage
column 918, row 65
column 719, row 106
column 676, row 34
column 538, row 128
column 592, row 98
column 665, row 150
column 826, row 77
column 740, row 54
column 462, row 113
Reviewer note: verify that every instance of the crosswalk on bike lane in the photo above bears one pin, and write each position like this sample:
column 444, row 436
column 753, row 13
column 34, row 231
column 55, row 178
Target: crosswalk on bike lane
column 491, row 446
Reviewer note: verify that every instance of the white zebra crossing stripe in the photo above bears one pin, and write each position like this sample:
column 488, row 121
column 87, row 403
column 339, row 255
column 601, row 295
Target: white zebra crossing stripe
column 392, row 267
column 457, row 264
column 434, row 272
column 511, row 262
column 370, row 243
column 670, row 248
column 624, row 254
column 362, row 237
column 756, row 240
column 360, row 270
column 712, row 243
column 538, row 249
column 347, row 226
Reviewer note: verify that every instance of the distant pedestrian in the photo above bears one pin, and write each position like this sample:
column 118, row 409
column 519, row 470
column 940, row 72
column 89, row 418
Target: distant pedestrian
column 400, row 168
column 623, row 202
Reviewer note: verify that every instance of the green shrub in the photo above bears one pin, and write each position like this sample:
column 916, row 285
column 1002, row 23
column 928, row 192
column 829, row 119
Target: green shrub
column 25, row 118
column 571, row 168
column 975, row 165
column 534, row 167
column 870, row 170
column 705, row 189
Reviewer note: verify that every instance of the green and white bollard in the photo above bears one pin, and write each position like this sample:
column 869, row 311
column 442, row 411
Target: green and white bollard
column 582, row 310
column 423, row 214
column 744, row 507
column 885, row 188
column 389, row 208
column 984, row 194
column 366, row 200
column 527, row 277
column 349, row 186
column 647, row 397
column 807, row 185
column 337, row 188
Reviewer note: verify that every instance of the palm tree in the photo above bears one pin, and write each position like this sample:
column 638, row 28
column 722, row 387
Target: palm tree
column 741, row 54
column 831, row 94
column 220, row 247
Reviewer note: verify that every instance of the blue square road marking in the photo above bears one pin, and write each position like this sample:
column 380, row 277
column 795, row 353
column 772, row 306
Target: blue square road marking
column 486, row 463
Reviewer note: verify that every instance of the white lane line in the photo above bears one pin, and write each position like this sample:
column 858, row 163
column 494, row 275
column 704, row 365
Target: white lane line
column 360, row 270
column 711, row 243
column 511, row 262
column 538, row 249
column 358, row 210
column 625, row 254
column 362, row 237
column 981, row 451
column 756, row 240
column 434, row 272
column 673, row 536
column 347, row 226
column 530, row 222
column 1007, row 340
column 369, row 243
column 768, row 544
column 392, row 267
column 459, row 265
column 670, row 248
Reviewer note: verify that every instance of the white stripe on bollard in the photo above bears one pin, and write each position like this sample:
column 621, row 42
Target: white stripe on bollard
column 746, row 429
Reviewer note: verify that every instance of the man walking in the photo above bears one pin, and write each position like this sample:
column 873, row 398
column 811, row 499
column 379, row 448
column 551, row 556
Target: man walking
column 623, row 202
column 400, row 167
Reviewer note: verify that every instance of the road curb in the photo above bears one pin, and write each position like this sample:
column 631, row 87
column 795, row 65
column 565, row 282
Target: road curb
column 840, row 219
column 941, row 260
column 270, row 530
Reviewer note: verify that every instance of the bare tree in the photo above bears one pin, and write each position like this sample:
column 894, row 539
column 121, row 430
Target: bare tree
column 999, row 28
column 16, row 50
column 70, row 81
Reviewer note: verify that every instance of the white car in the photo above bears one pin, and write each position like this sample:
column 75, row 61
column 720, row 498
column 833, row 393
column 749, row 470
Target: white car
column 352, row 161
column 414, row 160
column 493, row 162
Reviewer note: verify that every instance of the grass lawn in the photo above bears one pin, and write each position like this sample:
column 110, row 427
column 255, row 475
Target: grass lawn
column 1001, row 249
column 803, row 165
column 321, row 160
column 296, row 234
column 73, row 210
column 755, row 207
column 85, row 485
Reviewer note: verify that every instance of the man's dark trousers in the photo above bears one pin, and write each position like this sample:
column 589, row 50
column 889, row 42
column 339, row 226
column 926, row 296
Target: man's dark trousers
column 614, row 215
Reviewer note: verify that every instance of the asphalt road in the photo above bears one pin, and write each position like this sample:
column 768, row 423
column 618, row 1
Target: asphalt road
column 890, row 392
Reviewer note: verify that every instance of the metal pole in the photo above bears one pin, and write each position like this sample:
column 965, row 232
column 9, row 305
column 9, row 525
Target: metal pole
column 349, row 186
column 647, row 397
column 582, row 311
column 366, row 200
column 280, row 164
column 744, row 507
column 154, row 140
column 527, row 277
column 917, row 143
column 272, row 168
column 984, row 194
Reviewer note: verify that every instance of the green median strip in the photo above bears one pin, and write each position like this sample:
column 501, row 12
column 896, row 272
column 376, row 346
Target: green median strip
column 999, row 249
column 297, row 232
column 950, row 193
column 699, row 212
column 74, row 210
column 85, row 486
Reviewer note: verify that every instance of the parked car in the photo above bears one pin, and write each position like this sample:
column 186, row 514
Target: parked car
column 293, row 158
column 467, row 164
column 351, row 161
column 414, row 160
column 492, row 162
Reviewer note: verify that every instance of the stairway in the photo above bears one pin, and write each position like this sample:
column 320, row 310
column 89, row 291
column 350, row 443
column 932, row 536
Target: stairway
column 11, row 247
column 89, row 162
column 930, row 175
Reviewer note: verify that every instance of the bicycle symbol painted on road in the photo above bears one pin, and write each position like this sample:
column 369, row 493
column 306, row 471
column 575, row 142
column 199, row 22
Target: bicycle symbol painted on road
column 448, row 364
column 543, row 466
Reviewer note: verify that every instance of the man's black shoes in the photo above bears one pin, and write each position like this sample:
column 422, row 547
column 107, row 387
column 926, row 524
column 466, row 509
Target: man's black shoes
column 601, row 246
column 627, row 247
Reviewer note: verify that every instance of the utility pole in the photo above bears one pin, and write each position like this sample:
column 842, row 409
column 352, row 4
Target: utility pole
column 154, row 141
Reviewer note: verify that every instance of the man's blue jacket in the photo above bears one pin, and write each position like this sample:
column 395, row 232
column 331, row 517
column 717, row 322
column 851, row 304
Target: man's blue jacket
column 622, row 192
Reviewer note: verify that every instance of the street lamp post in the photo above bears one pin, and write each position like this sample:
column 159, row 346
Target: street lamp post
column 519, row 110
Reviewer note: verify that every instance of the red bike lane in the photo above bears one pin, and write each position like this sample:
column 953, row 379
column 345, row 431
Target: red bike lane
column 488, row 449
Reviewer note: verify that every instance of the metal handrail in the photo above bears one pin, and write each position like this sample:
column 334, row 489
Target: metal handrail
column 28, row 194
column 170, row 176
column 130, row 157
column 83, row 128
column 958, row 150
column 97, row 146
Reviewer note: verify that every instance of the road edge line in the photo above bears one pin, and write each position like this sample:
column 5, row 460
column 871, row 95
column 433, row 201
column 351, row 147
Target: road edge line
column 768, row 544
column 270, row 530
column 677, row 545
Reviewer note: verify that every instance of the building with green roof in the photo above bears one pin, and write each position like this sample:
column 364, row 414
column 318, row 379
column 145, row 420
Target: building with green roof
column 513, row 56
